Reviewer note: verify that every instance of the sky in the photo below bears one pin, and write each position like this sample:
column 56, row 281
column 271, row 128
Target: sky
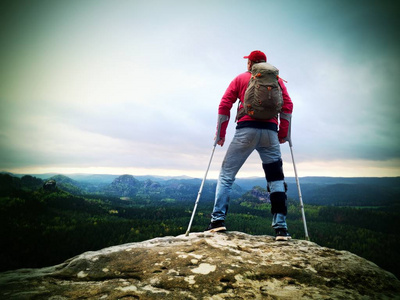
column 133, row 87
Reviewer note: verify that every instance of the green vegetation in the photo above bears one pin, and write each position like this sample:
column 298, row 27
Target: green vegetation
column 41, row 227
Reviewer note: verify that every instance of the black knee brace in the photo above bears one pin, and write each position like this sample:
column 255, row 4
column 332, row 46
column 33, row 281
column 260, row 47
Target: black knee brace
column 274, row 171
column 278, row 203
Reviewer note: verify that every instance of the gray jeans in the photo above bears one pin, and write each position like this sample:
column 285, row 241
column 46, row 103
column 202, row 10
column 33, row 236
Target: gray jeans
column 245, row 141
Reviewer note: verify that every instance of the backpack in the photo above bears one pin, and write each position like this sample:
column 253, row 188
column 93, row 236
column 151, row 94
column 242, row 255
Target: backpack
column 263, row 97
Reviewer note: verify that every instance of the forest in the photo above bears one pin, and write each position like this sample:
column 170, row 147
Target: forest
column 41, row 226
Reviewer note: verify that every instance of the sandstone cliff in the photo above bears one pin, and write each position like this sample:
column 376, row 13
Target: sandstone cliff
column 229, row 265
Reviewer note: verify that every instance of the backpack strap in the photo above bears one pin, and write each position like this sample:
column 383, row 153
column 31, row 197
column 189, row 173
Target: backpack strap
column 240, row 112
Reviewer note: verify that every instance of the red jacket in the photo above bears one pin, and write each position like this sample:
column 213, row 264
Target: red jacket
column 237, row 89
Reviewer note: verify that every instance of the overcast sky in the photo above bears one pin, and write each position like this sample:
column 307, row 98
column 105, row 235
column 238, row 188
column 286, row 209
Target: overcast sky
column 133, row 87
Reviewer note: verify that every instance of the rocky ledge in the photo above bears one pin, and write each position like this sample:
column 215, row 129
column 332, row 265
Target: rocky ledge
column 229, row 265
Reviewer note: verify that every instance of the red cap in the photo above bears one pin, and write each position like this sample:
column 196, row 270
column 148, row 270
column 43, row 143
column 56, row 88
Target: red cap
column 256, row 56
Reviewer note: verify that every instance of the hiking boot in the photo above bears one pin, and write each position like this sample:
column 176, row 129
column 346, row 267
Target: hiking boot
column 281, row 234
column 216, row 226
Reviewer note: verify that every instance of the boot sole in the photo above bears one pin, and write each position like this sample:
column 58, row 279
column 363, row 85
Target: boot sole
column 283, row 238
column 217, row 229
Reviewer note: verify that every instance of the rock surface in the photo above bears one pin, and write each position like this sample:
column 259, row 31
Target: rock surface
column 229, row 265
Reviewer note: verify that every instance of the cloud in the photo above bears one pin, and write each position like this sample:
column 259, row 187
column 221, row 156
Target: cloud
column 136, row 85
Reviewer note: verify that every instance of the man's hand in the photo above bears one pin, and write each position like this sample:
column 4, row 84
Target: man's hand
column 221, row 142
column 282, row 141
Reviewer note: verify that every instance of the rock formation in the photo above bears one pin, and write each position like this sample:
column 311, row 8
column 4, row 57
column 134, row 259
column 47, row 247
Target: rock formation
column 50, row 185
column 230, row 265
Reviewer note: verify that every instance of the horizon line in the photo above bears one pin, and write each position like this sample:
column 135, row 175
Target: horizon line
column 180, row 176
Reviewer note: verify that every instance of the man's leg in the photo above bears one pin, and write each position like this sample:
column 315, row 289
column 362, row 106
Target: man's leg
column 277, row 189
column 241, row 147
column 270, row 153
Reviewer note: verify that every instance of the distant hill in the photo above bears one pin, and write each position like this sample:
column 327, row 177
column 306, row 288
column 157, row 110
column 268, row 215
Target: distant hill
column 9, row 183
column 69, row 185
column 177, row 189
column 124, row 186
column 338, row 191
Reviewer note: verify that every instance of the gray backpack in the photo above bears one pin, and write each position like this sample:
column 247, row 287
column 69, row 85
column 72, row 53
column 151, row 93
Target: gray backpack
column 263, row 98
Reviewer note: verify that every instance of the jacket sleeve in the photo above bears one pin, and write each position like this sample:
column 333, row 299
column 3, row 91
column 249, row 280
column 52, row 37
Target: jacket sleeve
column 286, row 114
column 227, row 101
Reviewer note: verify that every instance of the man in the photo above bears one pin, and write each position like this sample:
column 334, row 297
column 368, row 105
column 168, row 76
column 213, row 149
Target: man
column 250, row 135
